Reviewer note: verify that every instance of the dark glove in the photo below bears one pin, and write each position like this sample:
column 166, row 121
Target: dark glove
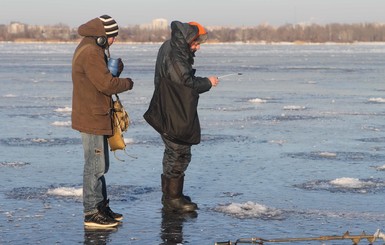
column 130, row 83
column 120, row 66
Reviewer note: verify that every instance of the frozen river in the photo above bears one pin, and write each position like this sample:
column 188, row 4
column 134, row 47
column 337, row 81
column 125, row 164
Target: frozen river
column 294, row 147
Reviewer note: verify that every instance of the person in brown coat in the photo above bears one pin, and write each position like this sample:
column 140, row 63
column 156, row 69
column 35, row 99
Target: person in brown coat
column 93, row 87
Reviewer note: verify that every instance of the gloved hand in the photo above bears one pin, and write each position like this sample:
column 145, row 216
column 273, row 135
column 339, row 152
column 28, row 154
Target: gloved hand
column 120, row 66
column 130, row 83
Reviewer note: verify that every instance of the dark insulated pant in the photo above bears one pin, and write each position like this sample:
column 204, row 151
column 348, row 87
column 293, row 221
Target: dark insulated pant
column 176, row 158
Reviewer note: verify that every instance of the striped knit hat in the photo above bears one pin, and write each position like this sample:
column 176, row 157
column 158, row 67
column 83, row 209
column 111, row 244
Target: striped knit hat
column 110, row 25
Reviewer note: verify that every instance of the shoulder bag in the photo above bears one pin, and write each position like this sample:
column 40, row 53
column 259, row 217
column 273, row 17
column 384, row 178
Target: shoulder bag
column 121, row 122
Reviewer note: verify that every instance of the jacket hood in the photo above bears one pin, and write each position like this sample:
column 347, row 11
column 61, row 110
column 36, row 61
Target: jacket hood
column 183, row 32
column 92, row 28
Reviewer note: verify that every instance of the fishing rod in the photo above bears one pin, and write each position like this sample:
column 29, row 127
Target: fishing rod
column 231, row 74
column 346, row 236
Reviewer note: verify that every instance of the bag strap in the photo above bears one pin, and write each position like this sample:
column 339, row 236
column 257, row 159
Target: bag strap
column 117, row 97
column 116, row 100
column 119, row 159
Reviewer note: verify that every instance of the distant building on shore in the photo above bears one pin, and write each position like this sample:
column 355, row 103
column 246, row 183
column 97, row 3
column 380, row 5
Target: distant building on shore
column 156, row 24
column 17, row 27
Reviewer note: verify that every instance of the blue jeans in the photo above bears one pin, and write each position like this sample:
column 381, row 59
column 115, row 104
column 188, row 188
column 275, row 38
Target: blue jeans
column 96, row 156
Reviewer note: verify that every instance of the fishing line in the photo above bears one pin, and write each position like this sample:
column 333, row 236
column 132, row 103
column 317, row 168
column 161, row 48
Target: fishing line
column 231, row 74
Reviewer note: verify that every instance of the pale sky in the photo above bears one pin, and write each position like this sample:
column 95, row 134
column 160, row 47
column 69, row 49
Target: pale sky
column 206, row 12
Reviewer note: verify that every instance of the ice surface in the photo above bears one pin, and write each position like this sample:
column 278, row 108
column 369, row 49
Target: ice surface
column 294, row 147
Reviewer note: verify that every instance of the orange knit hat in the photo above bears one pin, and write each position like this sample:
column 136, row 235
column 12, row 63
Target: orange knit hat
column 201, row 37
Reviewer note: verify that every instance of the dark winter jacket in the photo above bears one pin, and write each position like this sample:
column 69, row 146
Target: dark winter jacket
column 176, row 53
column 173, row 108
column 93, row 84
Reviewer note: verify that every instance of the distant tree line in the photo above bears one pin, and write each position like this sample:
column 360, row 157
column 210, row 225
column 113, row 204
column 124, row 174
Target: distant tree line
column 314, row 33
column 309, row 33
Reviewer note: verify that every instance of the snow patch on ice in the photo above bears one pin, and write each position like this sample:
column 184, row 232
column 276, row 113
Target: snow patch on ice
column 294, row 108
column 257, row 101
column 377, row 100
column 381, row 168
column 66, row 191
column 9, row 96
column 249, row 210
column 64, row 109
column 353, row 183
column 327, row 154
column 129, row 141
column 61, row 124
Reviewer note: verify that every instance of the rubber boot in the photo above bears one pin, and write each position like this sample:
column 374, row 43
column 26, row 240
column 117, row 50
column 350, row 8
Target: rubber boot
column 173, row 198
column 164, row 184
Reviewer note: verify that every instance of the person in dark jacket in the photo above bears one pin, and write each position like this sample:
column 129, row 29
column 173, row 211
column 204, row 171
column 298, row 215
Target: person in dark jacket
column 173, row 109
column 93, row 86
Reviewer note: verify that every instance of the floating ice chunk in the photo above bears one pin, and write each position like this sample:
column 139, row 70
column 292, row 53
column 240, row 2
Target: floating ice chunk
column 66, row 191
column 257, row 101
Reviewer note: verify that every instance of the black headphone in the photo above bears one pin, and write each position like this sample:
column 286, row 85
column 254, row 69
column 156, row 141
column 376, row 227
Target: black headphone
column 101, row 41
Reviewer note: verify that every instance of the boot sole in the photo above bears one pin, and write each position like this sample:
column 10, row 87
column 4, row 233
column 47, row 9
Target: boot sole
column 96, row 225
column 119, row 219
column 179, row 210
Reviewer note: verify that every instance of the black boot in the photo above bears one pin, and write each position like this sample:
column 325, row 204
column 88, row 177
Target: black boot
column 173, row 198
column 99, row 219
column 109, row 212
column 164, row 184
